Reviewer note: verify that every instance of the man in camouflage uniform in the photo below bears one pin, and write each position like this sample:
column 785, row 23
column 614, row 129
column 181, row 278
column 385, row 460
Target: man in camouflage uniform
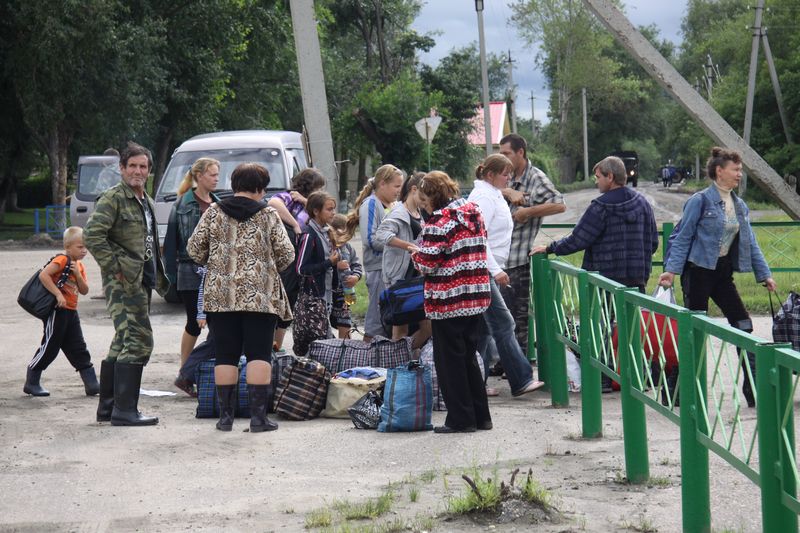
column 121, row 235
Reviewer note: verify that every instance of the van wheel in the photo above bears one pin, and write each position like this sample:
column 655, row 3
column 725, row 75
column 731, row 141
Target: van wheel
column 172, row 296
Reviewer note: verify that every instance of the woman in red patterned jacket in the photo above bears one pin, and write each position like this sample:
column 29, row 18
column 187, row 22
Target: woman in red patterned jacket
column 452, row 257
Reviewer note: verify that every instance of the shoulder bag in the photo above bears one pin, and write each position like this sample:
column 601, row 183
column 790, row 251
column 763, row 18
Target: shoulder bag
column 35, row 298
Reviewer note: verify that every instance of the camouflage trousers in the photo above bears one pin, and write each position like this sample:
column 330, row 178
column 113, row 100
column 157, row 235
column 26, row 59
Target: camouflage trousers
column 129, row 308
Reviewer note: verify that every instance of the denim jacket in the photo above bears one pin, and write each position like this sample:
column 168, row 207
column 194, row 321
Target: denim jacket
column 183, row 220
column 700, row 234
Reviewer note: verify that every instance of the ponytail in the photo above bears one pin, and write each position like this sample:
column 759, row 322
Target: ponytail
column 382, row 175
column 352, row 216
column 186, row 183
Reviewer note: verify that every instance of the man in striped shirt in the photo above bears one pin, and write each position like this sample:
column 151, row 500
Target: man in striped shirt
column 531, row 196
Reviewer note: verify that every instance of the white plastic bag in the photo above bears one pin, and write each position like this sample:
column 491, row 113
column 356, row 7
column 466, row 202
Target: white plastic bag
column 573, row 372
column 664, row 294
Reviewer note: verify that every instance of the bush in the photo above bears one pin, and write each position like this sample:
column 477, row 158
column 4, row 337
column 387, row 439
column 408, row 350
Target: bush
column 34, row 191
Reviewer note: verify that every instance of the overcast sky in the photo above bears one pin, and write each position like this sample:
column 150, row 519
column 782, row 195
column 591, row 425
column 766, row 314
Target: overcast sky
column 458, row 22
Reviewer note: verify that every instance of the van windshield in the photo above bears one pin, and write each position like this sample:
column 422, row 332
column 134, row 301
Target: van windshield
column 229, row 159
column 96, row 177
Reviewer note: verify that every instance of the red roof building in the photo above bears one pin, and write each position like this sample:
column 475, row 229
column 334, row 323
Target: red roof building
column 501, row 124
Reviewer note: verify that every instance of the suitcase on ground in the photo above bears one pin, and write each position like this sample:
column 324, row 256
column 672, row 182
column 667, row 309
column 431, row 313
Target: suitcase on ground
column 302, row 390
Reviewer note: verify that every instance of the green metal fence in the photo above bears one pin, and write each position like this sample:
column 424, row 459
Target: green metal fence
column 637, row 341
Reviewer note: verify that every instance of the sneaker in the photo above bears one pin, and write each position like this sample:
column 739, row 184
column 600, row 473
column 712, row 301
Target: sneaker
column 491, row 391
column 186, row 386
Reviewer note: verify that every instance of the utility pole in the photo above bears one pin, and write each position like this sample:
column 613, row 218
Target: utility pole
column 487, row 116
column 585, row 137
column 751, row 86
column 512, row 93
column 312, row 91
column 533, row 117
column 760, row 35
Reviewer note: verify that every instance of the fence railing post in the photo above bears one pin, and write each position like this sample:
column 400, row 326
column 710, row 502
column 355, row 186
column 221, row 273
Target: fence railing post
column 36, row 224
column 695, row 492
column 541, row 312
column 775, row 516
column 634, row 422
column 559, row 388
column 591, row 390
column 532, row 332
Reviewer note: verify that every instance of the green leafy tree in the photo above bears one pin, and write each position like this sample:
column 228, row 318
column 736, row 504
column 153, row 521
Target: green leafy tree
column 72, row 66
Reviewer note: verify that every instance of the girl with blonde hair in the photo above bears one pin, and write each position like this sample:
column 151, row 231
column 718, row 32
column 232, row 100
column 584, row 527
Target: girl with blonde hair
column 372, row 205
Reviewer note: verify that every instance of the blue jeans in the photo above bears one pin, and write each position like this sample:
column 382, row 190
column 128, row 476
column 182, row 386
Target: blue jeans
column 500, row 326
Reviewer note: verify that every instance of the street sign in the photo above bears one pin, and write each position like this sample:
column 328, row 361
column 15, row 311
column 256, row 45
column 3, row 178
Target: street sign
column 427, row 127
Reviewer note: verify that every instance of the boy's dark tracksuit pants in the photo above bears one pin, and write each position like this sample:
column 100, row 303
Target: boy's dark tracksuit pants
column 62, row 331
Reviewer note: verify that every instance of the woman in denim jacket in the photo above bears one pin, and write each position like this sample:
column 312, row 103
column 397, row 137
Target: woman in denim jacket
column 714, row 240
column 195, row 194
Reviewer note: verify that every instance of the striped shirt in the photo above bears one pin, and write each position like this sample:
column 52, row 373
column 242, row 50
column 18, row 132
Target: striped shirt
column 538, row 189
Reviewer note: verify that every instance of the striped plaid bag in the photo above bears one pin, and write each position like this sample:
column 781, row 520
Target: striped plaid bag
column 338, row 355
column 302, row 390
column 207, row 402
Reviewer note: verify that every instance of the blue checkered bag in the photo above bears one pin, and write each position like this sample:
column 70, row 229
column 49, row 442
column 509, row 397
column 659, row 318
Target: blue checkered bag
column 407, row 399
column 207, row 403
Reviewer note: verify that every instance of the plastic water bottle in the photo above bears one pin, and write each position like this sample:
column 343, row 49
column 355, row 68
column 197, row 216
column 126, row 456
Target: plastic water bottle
column 349, row 292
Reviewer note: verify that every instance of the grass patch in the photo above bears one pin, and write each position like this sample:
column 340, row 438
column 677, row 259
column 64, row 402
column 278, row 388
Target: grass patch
column 413, row 494
column 643, row 525
column 362, row 299
column 371, row 508
column 482, row 495
column 659, row 482
column 18, row 225
column 532, row 491
column 428, row 476
column 319, row 518
column 576, row 186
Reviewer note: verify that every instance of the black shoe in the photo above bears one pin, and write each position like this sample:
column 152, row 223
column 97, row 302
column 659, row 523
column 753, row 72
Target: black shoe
column 257, row 396
column 227, row 404
column 485, row 426
column 106, row 403
column 127, row 380
column 448, row 429
column 90, row 384
column 497, row 370
column 606, row 384
column 32, row 386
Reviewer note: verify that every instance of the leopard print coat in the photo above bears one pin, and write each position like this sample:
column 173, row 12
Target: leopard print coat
column 243, row 260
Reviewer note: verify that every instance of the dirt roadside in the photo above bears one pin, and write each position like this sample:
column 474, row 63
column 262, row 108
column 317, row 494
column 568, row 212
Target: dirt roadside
column 61, row 471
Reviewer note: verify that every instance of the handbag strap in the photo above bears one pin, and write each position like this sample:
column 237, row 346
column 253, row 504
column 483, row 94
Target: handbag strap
column 64, row 276
column 771, row 306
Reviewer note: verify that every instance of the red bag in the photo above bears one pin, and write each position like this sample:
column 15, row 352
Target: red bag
column 650, row 344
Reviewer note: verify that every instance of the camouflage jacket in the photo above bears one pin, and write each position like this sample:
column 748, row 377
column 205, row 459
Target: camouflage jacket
column 115, row 235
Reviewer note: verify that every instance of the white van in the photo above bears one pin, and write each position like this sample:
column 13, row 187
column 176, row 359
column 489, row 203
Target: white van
column 95, row 174
column 281, row 152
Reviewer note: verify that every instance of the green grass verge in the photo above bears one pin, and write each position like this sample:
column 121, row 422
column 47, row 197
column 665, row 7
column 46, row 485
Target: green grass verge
column 18, row 225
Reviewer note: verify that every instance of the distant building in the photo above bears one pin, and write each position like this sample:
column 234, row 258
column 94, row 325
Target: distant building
column 500, row 121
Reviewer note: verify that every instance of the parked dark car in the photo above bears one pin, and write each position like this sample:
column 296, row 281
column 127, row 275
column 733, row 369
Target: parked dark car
column 631, row 160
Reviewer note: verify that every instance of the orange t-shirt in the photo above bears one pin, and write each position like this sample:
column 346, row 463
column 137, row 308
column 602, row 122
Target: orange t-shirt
column 70, row 288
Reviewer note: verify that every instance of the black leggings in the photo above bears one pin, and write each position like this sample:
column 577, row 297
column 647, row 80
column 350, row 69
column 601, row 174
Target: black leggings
column 239, row 332
column 699, row 284
column 189, row 299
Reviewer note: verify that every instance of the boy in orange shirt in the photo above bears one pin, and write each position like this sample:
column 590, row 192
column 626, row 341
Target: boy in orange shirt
column 62, row 329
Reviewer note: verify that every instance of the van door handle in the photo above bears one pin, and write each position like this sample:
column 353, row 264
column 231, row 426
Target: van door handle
column 81, row 209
